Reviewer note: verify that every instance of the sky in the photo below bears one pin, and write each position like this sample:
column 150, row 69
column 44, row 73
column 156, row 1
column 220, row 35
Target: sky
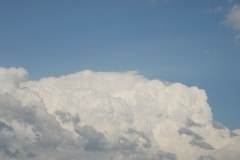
column 196, row 43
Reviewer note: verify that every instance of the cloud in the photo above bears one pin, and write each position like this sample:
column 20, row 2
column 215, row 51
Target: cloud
column 233, row 21
column 108, row 116
column 233, row 17
column 217, row 9
column 206, row 158
column 237, row 39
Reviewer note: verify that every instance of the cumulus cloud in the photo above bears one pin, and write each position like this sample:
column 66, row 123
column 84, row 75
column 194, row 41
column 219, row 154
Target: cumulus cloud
column 108, row 115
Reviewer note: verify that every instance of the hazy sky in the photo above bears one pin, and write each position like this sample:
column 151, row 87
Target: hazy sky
column 192, row 42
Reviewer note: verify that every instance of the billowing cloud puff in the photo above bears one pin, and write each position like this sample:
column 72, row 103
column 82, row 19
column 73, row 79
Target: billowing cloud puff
column 109, row 116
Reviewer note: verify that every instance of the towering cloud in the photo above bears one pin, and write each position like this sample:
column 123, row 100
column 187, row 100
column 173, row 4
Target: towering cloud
column 108, row 115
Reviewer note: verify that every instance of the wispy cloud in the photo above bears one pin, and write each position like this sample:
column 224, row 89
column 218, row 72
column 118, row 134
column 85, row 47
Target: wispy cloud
column 218, row 9
column 233, row 17
column 232, row 20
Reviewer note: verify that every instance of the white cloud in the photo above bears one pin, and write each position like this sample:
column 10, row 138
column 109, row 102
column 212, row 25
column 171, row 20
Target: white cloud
column 233, row 17
column 108, row 115
column 11, row 78
column 233, row 21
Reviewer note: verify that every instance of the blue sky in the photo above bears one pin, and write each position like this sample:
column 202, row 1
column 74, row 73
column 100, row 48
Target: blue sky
column 192, row 42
